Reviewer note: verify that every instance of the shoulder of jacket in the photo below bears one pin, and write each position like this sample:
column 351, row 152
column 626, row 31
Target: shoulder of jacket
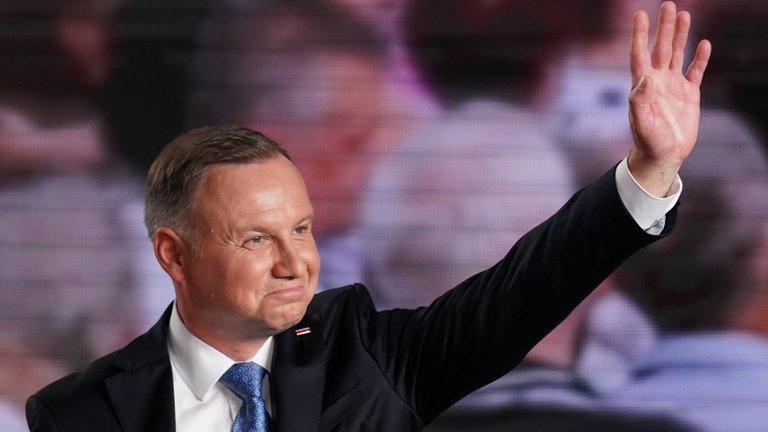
column 82, row 386
column 343, row 296
column 350, row 302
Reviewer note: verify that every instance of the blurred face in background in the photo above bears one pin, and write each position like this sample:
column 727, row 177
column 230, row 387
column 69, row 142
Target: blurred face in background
column 329, row 118
column 256, row 263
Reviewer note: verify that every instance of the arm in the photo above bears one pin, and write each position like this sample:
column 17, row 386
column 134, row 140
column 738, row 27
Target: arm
column 482, row 328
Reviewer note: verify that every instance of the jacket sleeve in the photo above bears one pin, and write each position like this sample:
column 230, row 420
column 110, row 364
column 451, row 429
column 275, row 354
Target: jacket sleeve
column 482, row 328
column 38, row 417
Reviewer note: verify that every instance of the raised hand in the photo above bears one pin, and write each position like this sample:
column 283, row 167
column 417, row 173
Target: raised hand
column 664, row 102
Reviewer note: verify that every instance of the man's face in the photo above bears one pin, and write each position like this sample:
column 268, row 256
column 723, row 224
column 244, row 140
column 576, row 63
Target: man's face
column 256, row 266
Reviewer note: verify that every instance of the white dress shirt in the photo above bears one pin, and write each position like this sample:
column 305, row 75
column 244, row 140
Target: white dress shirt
column 205, row 405
column 202, row 403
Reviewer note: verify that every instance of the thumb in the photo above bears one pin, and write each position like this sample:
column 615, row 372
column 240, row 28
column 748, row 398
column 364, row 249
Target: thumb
column 640, row 102
column 641, row 94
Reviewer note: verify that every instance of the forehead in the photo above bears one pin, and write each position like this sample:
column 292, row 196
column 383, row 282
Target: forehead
column 236, row 196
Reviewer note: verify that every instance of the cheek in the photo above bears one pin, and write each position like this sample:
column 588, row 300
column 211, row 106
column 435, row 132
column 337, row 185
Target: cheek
column 241, row 280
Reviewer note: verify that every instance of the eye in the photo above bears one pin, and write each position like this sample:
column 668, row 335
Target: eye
column 255, row 240
column 301, row 229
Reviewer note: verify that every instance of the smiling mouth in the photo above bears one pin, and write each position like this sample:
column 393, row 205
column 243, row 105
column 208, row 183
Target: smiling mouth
column 288, row 294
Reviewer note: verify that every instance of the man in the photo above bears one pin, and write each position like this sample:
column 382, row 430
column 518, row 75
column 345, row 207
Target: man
column 231, row 224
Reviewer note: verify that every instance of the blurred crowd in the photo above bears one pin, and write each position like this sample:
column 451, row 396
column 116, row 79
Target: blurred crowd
column 432, row 134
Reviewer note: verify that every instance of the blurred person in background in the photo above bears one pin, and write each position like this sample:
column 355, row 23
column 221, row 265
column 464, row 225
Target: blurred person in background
column 21, row 369
column 663, row 186
column 591, row 115
column 429, row 214
column 146, row 103
column 709, row 366
column 407, row 103
column 485, row 63
column 431, row 219
column 498, row 51
column 617, row 335
column 740, row 75
column 64, row 267
column 49, row 83
column 309, row 74
column 497, row 83
column 588, row 87
column 146, row 96
column 588, row 106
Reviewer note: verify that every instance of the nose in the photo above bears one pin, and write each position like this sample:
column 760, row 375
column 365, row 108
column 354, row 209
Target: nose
column 288, row 263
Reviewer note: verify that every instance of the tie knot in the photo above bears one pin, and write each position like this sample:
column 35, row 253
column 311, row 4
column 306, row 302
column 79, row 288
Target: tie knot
column 244, row 379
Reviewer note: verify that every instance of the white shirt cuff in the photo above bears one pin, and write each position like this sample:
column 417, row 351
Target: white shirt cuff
column 649, row 211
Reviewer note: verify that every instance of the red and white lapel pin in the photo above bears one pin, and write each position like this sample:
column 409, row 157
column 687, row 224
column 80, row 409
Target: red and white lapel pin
column 303, row 331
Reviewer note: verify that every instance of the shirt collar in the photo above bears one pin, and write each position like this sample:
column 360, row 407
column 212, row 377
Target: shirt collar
column 201, row 365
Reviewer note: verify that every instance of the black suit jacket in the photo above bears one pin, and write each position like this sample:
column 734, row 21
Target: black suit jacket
column 395, row 370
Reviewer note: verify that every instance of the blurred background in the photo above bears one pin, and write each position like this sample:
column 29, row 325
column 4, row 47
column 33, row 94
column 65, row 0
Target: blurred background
column 432, row 134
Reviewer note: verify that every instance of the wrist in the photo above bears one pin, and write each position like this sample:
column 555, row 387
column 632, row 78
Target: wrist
column 654, row 176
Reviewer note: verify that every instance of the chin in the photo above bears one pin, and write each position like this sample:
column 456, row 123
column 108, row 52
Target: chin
column 287, row 316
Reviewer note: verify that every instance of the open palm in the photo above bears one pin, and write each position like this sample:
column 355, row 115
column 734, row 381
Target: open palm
column 664, row 103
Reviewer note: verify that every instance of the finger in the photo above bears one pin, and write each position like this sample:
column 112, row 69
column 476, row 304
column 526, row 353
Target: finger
column 682, row 25
column 661, row 54
column 699, row 64
column 639, row 57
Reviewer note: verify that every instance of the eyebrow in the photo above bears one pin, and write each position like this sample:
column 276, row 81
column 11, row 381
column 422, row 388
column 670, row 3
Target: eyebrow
column 310, row 216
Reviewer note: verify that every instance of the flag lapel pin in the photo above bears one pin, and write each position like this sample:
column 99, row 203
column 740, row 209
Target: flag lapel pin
column 303, row 331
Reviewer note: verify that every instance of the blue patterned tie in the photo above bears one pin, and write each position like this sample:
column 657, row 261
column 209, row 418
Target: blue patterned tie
column 244, row 379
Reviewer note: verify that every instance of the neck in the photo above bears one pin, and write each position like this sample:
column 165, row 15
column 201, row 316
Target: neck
column 229, row 343
column 237, row 350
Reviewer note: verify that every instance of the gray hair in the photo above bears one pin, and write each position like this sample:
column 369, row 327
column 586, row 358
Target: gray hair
column 175, row 174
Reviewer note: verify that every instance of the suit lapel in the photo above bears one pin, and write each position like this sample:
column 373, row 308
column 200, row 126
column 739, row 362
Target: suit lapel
column 298, row 376
column 142, row 395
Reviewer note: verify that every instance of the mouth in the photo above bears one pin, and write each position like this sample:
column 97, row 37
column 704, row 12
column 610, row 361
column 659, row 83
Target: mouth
column 291, row 293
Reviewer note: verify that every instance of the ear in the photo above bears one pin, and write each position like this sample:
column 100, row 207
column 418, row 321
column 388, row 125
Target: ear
column 171, row 252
